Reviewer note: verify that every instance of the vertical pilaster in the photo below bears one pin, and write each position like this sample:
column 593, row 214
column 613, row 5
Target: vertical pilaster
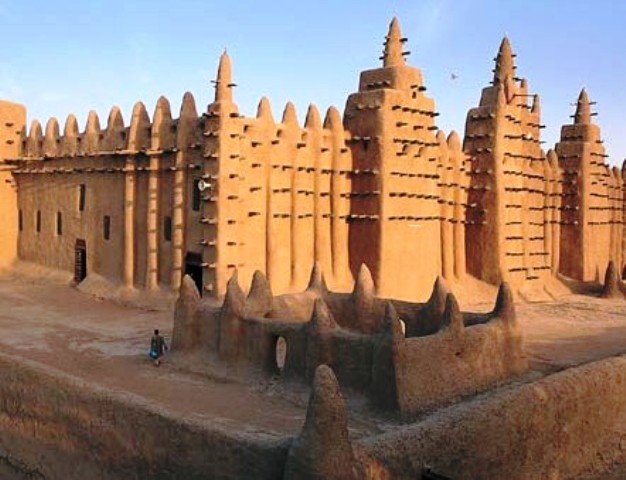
column 280, row 206
column 548, row 212
column 178, row 219
column 585, row 198
column 445, row 201
column 13, row 123
column 152, row 258
column 129, row 222
column 320, row 161
column 459, row 198
column 340, row 205
column 557, row 215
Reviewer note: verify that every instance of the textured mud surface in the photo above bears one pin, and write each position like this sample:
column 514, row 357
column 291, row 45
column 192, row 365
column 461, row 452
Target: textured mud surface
column 105, row 343
column 56, row 328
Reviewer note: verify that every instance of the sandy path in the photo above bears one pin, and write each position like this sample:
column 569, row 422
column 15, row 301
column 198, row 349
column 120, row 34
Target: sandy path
column 577, row 330
column 107, row 344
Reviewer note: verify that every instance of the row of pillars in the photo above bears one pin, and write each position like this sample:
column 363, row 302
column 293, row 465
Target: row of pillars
column 152, row 222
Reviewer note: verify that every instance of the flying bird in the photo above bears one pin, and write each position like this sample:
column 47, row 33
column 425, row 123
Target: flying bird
column 453, row 76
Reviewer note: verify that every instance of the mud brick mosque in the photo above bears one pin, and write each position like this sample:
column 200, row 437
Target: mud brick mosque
column 215, row 193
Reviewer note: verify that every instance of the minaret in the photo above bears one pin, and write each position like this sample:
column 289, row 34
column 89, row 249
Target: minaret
column 392, row 54
column 224, row 82
column 587, row 203
column 223, row 204
column 583, row 109
column 392, row 127
column 536, row 107
column 505, row 216
column 504, row 62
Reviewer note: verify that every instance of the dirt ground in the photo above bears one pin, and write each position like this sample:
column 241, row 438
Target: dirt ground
column 575, row 329
column 107, row 344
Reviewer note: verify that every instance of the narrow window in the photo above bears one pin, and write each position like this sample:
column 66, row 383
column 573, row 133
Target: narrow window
column 167, row 229
column 82, row 192
column 195, row 201
column 59, row 224
column 20, row 221
column 38, row 221
column 107, row 227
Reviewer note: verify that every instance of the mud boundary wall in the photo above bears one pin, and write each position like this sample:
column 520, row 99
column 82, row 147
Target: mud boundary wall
column 564, row 426
column 55, row 427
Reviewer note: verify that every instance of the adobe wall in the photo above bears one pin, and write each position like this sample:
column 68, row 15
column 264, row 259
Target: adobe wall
column 409, row 182
column 12, row 126
column 513, row 219
column 56, row 428
column 279, row 194
column 282, row 197
column 503, row 434
column 243, row 333
column 576, row 413
column 58, row 192
column 623, row 217
column 382, row 187
column 592, row 201
column 462, row 358
column 130, row 174
column 360, row 336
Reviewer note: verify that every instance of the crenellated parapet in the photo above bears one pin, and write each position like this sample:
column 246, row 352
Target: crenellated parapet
column 33, row 143
column 51, row 142
column 139, row 138
column 68, row 142
column 374, row 345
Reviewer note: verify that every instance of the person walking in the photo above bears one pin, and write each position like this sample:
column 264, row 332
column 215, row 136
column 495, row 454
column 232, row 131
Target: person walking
column 157, row 347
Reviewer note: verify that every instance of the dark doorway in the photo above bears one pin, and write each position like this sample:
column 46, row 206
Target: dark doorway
column 80, row 261
column 193, row 268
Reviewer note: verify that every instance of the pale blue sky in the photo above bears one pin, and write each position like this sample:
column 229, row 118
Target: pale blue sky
column 67, row 56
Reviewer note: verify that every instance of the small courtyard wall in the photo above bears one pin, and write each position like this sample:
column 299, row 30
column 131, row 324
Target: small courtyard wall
column 458, row 360
column 360, row 336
